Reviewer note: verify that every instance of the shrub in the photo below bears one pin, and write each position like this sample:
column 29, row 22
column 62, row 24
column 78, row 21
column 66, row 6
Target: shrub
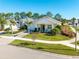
column 66, row 30
column 58, row 26
column 56, row 31
column 23, row 27
column 7, row 29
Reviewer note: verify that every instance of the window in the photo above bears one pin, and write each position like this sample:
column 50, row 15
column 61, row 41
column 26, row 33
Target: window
column 49, row 26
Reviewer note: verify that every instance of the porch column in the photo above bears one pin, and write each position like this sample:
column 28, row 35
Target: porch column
column 46, row 26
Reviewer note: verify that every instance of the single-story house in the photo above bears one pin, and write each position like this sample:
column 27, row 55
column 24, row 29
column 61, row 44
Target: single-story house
column 44, row 24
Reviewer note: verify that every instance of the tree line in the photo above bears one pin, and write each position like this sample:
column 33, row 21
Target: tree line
column 21, row 15
column 18, row 15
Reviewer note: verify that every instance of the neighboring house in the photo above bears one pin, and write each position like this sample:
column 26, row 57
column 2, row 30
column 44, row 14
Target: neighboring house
column 44, row 24
column 14, row 27
column 22, row 22
column 77, row 21
column 70, row 22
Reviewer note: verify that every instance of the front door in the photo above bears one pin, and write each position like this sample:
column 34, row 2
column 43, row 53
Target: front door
column 42, row 28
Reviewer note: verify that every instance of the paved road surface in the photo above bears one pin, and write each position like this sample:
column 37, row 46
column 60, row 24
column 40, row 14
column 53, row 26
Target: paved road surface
column 13, row 52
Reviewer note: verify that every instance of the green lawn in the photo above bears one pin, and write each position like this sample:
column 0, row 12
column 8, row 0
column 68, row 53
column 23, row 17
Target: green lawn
column 53, row 48
column 43, row 36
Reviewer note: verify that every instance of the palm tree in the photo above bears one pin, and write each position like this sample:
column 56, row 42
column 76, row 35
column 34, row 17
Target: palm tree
column 12, row 22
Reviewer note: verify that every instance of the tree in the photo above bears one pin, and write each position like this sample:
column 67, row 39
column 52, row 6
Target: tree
column 28, row 23
column 12, row 22
column 2, row 23
column 64, row 21
column 17, row 16
column 49, row 14
column 29, row 14
column 22, row 14
column 2, row 15
column 42, row 16
column 58, row 17
column 73, row 20
column 35, row 15
column 8, row 15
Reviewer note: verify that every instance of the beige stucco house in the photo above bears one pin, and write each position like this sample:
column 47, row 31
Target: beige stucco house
column 44, row 24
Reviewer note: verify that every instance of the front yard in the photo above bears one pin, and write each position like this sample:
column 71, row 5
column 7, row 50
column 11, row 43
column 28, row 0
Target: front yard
column 43, row 36
column 53, row 48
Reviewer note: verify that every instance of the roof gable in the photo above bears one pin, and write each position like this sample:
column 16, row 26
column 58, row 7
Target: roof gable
column 47, row 20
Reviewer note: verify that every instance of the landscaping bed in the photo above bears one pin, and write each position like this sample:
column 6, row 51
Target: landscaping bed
column 43, row 36
column 53, row 48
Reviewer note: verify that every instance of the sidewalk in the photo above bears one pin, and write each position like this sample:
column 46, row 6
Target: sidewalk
column 67, row 42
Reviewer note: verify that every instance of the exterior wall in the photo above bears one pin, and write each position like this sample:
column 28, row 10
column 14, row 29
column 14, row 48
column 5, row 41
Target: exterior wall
column 14, row 28
column 33, row 26
column 53, row 25
column 46, row 27
column 18, row 25
column 6, row 26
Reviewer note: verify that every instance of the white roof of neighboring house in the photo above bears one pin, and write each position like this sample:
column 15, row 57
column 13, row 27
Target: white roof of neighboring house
column 47, row 20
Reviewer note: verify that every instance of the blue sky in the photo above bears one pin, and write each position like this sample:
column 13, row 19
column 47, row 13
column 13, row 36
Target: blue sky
column 67, row 8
